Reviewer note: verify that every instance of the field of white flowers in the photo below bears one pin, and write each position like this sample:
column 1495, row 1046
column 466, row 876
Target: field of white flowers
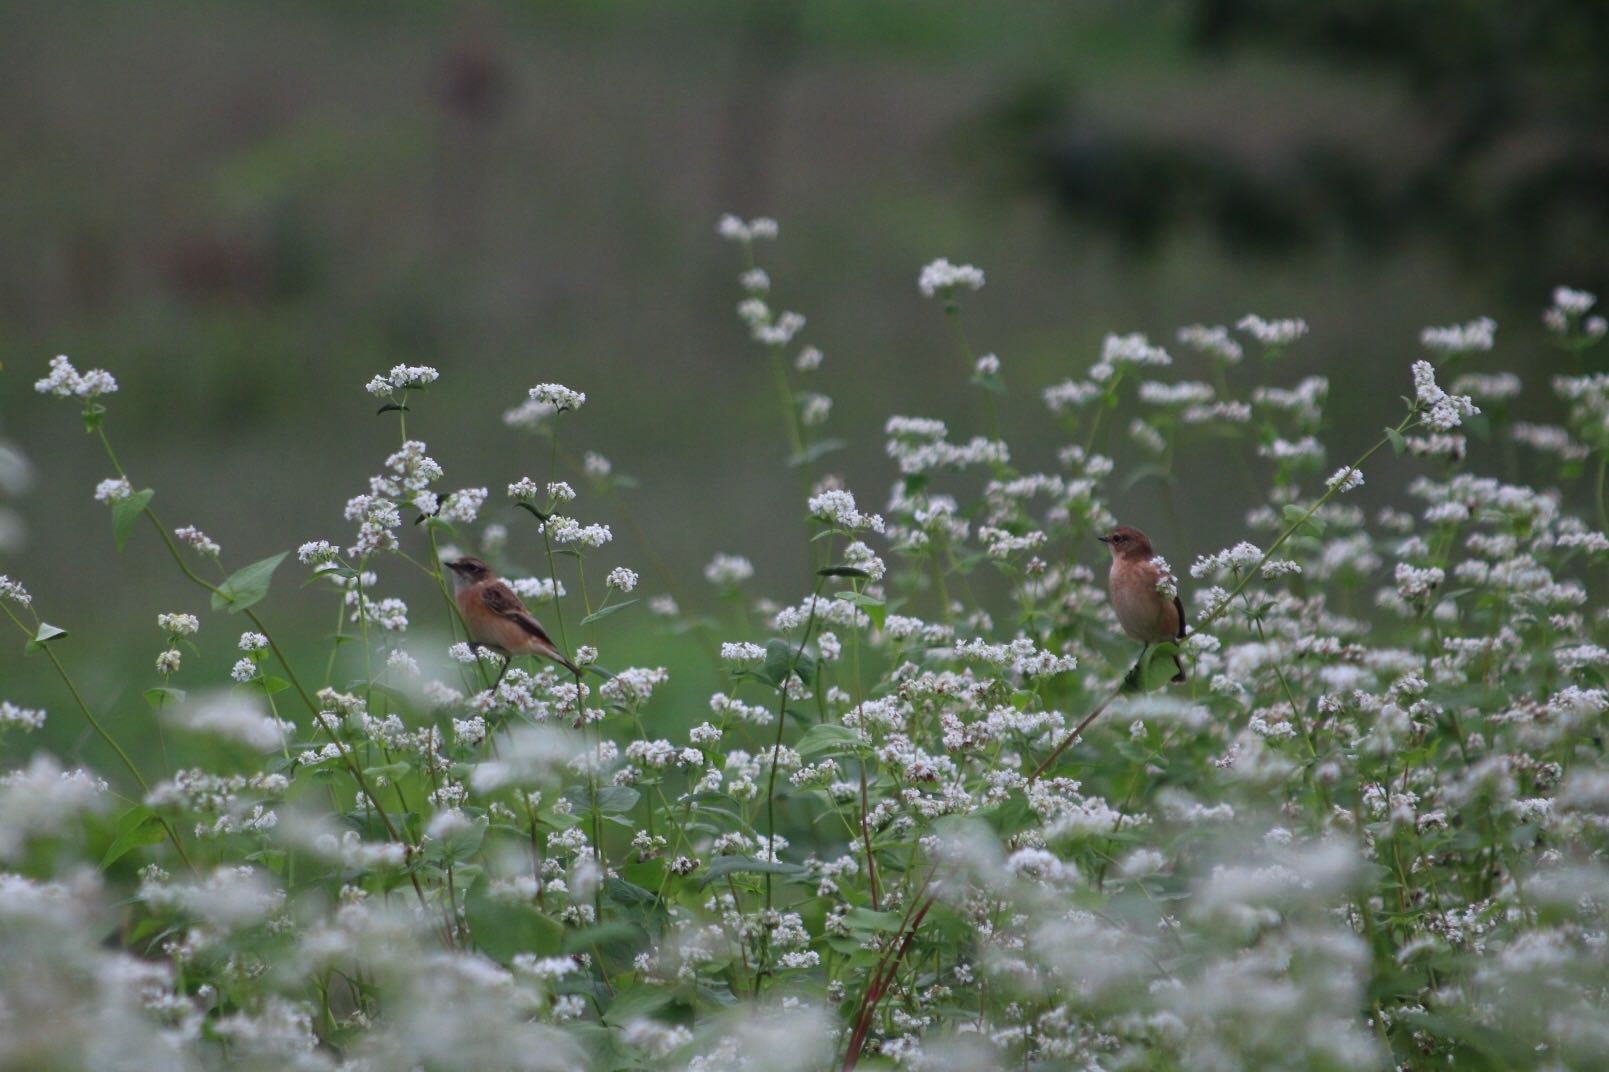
column 940, row 813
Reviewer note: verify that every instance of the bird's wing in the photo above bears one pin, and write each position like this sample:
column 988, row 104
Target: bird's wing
column 501, row 600
column 1178, row 605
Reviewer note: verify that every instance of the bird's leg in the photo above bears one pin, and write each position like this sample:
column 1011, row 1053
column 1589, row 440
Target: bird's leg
column 508, row 660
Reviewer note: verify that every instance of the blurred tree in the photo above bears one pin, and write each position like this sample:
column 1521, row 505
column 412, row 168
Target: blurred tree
column 1498, row 151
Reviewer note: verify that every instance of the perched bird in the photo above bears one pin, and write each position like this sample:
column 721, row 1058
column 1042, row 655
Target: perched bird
column 1137, row 585
column 496, row 617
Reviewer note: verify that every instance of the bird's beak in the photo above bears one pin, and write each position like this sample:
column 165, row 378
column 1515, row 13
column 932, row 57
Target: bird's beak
column 1104, row 539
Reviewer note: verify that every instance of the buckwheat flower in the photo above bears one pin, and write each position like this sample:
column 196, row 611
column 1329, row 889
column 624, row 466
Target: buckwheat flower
column 1213, row 341
column 28, row 718
column 1488, row 386
column 814, row 409
column 1573, row 302
column 113, row 490
column 778, row 332
column 621, row 579
column 199, row 541
column 1444, row 412
column 596, row 466
column 402, row 377
column 664, row 606
column 987, row 365
column 463, row 506
column 65, row 381
column 567, row 530
column 178, row 625
column 1460, row 338
column 733, row 229
column 1167, row 585
column 233, row 716
column 1068, row 394
column 1239, row 558
column 1549, row 438
column 858, row 555
column 836, row 506
column 556, row 396
column 1120, row 350
column 1345, row 479
column 728, row 570
column 317, row 553
column 253, row 642
column 1147, row 436
column 1272, row 332
column 168, row 661
column 742, row 653
column 1580, row 657
column 243, row 671
column 756, row 280
column 1305, row 449
column 42, row 800
column 1414, row 583
column 1184, row 393
column 809, row 359
column 537, row 589
column 14, row 592
column 941, row 276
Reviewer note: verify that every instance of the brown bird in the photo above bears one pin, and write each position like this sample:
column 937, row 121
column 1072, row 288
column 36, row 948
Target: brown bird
column 1145, row 613
column 496, row 617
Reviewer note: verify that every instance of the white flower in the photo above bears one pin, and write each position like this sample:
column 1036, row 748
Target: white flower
column 463, row 506
column 1212, row 341
column 234, row 716
column 734, row 229
column 198, row 540
column 727, row 570
column 168, row 661
column 836, row 506
column 557, row 397
column 1272, row 332
column 113, row 490
column 942, row 276
column 316, row 552
column 596, row 465
column 622, row 579
column 27, row 717
column 1345, row 479
column 1460, row 338
column 401, row 378
column 1118, row 350
column 1573, row 302
column 1444, row 412
column 179, row 625
column 742, row 653
column 814, row 409
column 809, row 359
column 987, row 365
column 65, row 381
column 1166, row 583
column 243, row 670
column 253, row 642
column 14, row 591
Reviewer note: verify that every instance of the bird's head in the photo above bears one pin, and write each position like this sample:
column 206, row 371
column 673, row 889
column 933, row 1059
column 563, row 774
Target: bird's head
column 1126, row 541
column 467, row 571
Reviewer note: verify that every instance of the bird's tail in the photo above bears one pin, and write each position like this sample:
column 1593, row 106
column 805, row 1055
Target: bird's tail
column 551, row 651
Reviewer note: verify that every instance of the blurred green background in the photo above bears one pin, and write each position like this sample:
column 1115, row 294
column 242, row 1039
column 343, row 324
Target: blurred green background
column 246, row 210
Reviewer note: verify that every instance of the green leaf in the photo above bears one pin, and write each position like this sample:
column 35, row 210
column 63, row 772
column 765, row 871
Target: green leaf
column 135, row 827
column 392, row 407
column 1296, row 515
column 722, row 866
column 44, row 635
column 126, row 514
column 504, row 929
column 268, row 684
column 1158, row 668
column 842, row 571
column 826, row 737
column 876, row 609
column 816, row 450
column 617, row 799
column 247, row 586
column 864, row 919
column 604, row 612
column 158, row 696
column 533, row 511
column 1398, row 444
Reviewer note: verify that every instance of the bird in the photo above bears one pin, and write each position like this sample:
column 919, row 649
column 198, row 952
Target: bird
column 1145, row 612
column 497, row 619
